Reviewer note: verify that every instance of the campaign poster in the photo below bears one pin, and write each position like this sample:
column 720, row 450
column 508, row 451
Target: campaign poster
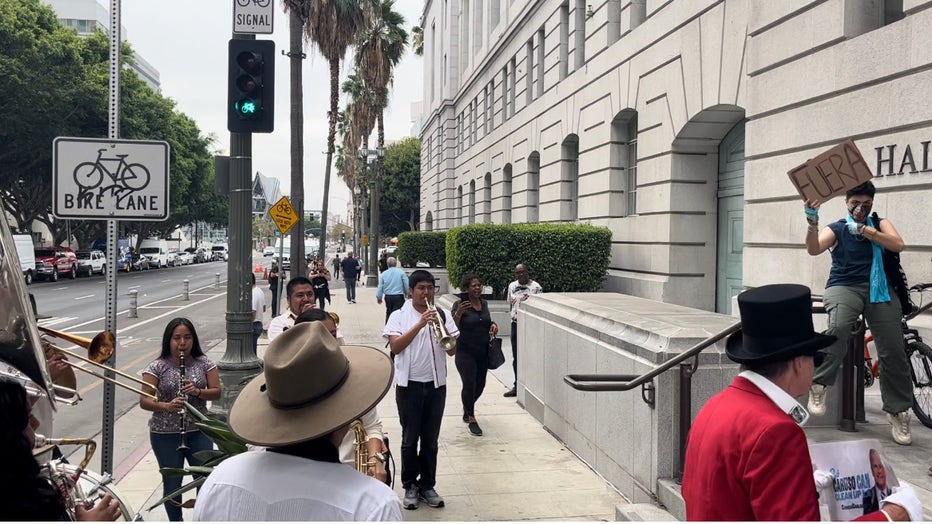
column 863, row 477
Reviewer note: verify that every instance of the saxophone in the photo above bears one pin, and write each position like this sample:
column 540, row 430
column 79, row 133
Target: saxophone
column 361, row 462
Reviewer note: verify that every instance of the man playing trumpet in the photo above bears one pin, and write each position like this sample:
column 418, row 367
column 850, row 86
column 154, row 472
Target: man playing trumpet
column 420, row 380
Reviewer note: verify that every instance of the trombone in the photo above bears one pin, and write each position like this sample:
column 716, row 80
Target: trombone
column 99, row 349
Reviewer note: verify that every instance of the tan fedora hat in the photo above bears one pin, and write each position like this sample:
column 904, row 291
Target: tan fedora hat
column 310, row 387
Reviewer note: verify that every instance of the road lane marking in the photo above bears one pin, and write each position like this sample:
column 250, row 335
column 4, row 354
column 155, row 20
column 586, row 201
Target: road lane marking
column 85, row 296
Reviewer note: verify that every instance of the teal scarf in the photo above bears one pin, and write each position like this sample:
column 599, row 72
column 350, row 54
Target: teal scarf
column 879, row 292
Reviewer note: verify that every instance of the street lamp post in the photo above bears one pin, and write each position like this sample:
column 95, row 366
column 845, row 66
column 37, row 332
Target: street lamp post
column 373, row 156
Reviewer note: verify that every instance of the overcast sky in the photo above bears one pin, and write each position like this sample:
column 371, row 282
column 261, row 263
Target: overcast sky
column 186, row 40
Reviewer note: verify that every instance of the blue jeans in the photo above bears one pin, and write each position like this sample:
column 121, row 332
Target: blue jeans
column 256, row 333
column 420, row 411
column 350, row 284
column 165, row 447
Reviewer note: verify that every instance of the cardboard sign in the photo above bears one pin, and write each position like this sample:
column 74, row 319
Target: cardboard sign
column 832, row 173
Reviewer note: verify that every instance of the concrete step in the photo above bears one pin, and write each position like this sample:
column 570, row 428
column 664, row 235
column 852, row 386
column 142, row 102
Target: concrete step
column 642, row 513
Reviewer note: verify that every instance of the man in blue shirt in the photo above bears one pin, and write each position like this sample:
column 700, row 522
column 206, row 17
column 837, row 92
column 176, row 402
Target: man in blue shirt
column 392, row 285
column 350, row 271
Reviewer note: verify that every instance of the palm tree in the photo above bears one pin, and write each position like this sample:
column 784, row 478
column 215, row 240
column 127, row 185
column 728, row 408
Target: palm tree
column 333, row 26
column 298, row 13
column 417, row 40
column 379, row 49
column 360, row 119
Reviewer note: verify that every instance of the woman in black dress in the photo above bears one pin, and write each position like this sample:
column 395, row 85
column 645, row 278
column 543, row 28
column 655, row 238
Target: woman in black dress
column 472, row 317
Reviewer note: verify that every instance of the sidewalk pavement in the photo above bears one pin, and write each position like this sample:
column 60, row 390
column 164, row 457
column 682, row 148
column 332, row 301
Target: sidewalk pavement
column 515, row 471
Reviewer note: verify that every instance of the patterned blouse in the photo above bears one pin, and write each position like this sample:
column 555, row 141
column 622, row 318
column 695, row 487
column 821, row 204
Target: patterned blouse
column 168, row 375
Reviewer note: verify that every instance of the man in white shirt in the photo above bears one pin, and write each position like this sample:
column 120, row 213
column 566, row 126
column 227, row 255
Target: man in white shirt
column 421, row 387
column 300, row 408
column 300, row 296
column 258, row 309
column 518, row 292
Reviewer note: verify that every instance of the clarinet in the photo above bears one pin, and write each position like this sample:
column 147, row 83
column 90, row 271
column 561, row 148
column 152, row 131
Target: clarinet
column 184, row 415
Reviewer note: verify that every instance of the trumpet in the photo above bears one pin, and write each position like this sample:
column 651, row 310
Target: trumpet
column 439, row 330
column 99, row 349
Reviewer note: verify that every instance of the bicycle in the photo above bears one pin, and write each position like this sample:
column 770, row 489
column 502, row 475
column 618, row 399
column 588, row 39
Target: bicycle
column 260, row 3
column 919, row 356
column 126, row 177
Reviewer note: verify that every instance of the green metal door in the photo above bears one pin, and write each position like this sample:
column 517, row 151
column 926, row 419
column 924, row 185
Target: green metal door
column 730, row 218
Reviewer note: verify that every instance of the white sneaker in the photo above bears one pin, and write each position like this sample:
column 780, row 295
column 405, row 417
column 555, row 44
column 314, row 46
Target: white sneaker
column 817, row 400
column 900, row 423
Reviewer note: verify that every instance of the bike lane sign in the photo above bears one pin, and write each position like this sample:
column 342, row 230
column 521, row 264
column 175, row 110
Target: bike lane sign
column 283, row 215
column 253, row 17
column 110, row 179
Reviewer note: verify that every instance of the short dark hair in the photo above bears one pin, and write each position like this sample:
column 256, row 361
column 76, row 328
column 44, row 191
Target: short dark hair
column 295, row 282
column 252, row 278
column 312, row 315
column 467, row 280
column 419, row 276
column 867, row 188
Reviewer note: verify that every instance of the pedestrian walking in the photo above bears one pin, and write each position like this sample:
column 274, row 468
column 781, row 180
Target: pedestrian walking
column 336, row 266
column 274, row 285
column 258, row 310
column 320, row 279
column 472, row 316
column 351, row 269
column 857, row 285
column 518, row 292
column 201, row 383
column 393, row 284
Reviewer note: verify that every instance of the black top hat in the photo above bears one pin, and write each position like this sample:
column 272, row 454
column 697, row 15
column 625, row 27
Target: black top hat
column 776, row 324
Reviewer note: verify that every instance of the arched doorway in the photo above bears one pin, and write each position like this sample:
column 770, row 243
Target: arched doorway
column 728, row 273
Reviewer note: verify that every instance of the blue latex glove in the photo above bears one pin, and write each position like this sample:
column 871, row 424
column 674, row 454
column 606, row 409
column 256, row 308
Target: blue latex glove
column 855, row 229
column 812, row 215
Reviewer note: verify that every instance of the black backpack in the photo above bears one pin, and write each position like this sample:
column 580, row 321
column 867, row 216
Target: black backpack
column 896, row 277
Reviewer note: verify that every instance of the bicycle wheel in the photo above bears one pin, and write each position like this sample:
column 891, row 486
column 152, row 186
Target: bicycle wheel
column 263, row 3
column 243, row 3
column 88, row 175
column 135, row 177
column 920, row 367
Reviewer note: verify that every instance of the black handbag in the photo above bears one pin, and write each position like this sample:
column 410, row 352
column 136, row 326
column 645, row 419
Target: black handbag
column 496, row 357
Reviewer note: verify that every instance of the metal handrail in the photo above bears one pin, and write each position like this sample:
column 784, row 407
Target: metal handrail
column 628, row 382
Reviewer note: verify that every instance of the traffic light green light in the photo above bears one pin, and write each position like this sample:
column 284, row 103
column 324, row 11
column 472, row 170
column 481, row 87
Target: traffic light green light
column 251, row 86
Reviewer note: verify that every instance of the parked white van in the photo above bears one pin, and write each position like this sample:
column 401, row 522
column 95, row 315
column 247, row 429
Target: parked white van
column 156, row 251
column 27, row 256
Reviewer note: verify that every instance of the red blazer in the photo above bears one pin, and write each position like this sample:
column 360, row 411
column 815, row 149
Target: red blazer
column 748, row 460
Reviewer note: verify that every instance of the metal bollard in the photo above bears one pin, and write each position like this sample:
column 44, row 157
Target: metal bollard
column 133, row 303
column 186, row 289
column 217, row 280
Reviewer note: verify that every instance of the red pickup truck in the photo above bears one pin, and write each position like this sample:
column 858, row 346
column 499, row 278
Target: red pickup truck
column 52, row 262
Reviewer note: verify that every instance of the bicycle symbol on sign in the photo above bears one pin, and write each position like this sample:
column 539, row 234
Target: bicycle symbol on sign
column 283, row 208
column 126, row 178
column 260, row 3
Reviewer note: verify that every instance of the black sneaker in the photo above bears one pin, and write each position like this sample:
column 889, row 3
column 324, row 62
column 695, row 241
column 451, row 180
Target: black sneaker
column 465, row 418
column 411, row 498
column 475, row 429
column 513, row 392
column 430, row 496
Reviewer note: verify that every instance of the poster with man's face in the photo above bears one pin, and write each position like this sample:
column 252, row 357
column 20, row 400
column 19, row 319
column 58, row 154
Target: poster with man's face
column 863, row 479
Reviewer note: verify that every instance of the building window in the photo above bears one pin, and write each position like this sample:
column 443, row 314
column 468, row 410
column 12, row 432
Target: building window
column 633, row 15
column 478, row 27
column 564, row 39
column 892, row 11
column 529, row 72
column 429, row 222
column 464, row 40
column 613, row 13
column 579, row 32
column 506, row 194
column 504, row 93
column 631, row 168
column 459, row 206
column 533, row 187
column 494, row 13
column 569, row 178
column 511, row 86
column 540, row 61
column 486, row 127
column 472, row 201
column 487, row 199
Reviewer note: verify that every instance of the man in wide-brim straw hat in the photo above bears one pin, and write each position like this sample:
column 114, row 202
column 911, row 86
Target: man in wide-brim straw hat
column 747, row 456
column 300, row 408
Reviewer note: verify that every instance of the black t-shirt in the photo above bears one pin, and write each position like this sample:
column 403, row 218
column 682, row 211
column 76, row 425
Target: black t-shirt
column 474, row 328
column 321, row 286
column 349, row 267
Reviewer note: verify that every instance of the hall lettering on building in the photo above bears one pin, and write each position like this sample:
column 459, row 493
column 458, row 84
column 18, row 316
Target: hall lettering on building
column 897, row 159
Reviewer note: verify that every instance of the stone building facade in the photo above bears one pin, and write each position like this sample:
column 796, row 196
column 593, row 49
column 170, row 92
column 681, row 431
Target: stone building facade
column 674, row 123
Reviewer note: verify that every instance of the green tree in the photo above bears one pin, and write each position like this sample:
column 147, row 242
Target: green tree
column 401, row 187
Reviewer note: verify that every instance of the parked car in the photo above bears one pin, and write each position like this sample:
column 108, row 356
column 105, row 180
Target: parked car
column 156, row 251
column 185, row 258
column 174, row 258
column 90, row 262
column 52, row 262
column 198, row 254
column 133, row 262
column 268, row 251
column 220, row 252
column 285, row 263
column 27, row 256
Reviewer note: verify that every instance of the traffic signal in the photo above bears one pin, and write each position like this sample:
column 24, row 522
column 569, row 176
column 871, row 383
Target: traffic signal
column 343, row 236
column 251, row 99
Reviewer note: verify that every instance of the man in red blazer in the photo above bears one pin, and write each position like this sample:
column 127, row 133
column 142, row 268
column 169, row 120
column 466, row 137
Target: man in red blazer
column 747, row 456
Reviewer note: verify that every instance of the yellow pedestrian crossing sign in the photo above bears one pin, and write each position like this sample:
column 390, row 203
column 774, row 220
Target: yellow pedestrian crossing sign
column 283, row 215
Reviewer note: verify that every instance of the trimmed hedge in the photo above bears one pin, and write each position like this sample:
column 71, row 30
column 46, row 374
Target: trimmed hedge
column 422, row 246
column 561, row 257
